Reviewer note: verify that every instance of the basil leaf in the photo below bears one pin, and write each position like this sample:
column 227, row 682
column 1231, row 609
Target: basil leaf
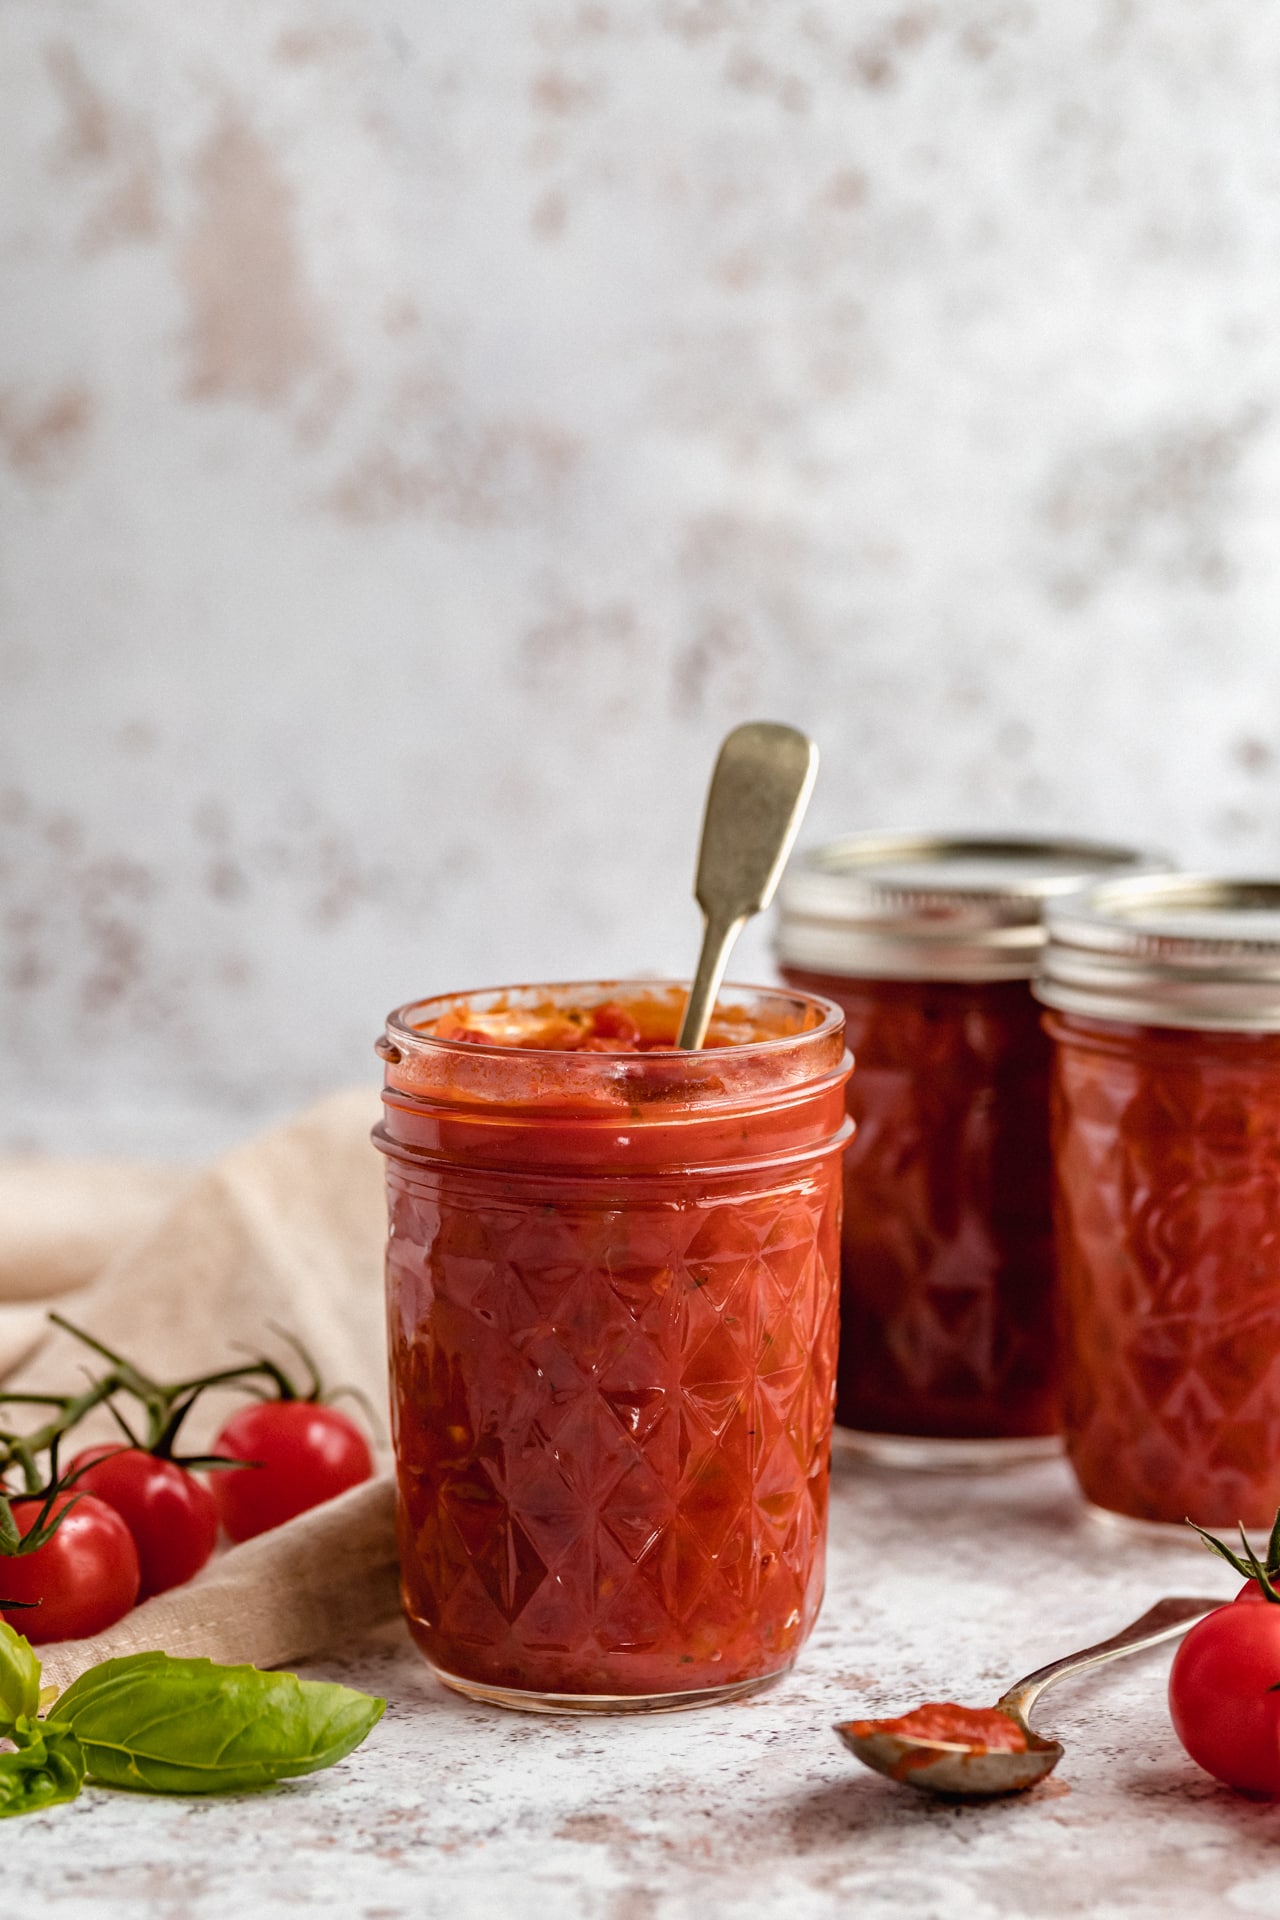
column 187, row 1726
column 19, row 1678
column 46, row 1769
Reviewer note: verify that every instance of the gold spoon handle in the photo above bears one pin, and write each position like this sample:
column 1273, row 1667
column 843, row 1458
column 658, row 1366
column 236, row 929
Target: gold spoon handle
column 759, row 791
column 717, row 944
column 1161, row 1622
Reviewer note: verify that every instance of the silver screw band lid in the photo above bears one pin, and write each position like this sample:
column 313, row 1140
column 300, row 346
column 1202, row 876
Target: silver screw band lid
column 1171, row 950
column 914, row 906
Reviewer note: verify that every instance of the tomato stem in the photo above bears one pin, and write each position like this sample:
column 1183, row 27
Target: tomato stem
column 21, row 1449
column 1247, row 1563
column 313, row 1392
column 166, row 1407
column 14, row 1542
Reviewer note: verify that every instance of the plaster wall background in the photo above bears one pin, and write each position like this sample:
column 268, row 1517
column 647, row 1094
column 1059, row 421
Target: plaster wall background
column 425, row 429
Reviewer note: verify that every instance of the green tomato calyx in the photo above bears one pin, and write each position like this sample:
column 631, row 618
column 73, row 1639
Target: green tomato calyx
column 1246, row 1563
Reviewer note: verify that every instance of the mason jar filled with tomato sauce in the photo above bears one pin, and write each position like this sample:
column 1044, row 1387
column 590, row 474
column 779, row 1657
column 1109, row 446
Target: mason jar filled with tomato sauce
column 948, row 1353
column 612, row 1278
column 1164, row 1012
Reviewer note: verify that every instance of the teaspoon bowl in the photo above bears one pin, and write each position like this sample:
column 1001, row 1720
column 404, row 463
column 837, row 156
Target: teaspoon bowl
column 972, row 1772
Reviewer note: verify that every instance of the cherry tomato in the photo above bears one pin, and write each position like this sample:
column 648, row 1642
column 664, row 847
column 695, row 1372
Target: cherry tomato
column 1250, row 1593
column 1223, row 1695
column 84, row 1579
column 303, row 1453
column 168, row 1511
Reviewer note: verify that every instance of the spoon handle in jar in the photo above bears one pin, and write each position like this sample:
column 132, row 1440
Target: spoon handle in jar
column 717, row 944
column 1162, row 1622
column 757, row 798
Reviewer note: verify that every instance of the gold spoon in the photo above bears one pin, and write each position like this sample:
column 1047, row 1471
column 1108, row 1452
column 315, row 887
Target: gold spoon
column 965, row 1772
column 755, row 803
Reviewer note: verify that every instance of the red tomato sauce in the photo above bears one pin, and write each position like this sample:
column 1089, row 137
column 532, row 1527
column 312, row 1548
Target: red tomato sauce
column 648, row 1023
column 947, row 1287
column 1167, row 1149
column 980, row 1729
column 612, row 1287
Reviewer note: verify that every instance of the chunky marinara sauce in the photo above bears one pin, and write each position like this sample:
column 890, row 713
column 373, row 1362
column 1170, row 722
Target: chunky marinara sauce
column 612, row 1283
column 947, row 1288
column 980, row 1729
column 1167, row 1150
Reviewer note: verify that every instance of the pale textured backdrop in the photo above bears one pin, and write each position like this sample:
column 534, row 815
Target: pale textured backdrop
column 425, row 428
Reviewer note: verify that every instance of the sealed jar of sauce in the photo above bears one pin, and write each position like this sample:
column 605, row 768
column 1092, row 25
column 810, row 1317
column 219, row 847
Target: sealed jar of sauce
column 929, row 944
column 1164, row 997
column 612, row 1279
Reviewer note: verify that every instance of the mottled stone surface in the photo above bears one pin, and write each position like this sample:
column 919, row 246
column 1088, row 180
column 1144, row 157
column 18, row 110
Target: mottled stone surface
column 937, row 1586
column 420, row 438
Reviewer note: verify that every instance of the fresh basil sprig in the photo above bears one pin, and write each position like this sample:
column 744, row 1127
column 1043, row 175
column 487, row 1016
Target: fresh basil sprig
column 45, row 1767
column 161, row 1725
column 19, row 1679
column 41, row 1765
column 187, row 1726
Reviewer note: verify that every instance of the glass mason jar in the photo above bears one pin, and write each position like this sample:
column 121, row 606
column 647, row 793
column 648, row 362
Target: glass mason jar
column 1165, row 999
column 947, row 1342
column 612, row 1288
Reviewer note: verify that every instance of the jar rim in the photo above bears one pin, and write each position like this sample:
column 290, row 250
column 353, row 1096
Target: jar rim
column 400, row 1030
column 1177, row 950
column 918, row 905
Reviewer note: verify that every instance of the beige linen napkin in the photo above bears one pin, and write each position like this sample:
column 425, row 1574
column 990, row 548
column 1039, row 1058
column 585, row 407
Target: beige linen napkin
column 326, row 1577
column 60, row 1222
column 287, row 1231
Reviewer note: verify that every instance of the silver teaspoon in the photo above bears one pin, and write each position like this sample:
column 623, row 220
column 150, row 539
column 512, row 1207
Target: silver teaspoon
column 759, row 791
column 964, row 1772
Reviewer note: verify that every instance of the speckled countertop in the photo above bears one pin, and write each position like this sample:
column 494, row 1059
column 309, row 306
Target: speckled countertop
column 936, row 1587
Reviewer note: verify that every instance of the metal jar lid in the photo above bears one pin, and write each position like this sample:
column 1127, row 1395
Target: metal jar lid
column 908, row 906
column 1168, row 950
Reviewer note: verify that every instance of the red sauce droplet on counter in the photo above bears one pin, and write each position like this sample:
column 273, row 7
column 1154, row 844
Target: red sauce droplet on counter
column 981, row 1729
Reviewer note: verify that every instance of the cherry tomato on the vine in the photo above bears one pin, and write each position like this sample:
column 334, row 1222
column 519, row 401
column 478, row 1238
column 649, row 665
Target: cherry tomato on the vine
column 83, row 1579
column 1223, row 1694
column 169, row 1512
column 1250, row 1593
column 303, row 1452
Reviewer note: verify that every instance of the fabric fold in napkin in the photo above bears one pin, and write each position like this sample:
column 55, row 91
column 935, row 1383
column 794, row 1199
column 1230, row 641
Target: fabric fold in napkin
column 60, row 1222
column 327, row 1576
column 283, row 1235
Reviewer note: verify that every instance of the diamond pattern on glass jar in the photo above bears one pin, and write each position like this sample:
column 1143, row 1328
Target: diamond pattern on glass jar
column 667, row 1406
column 1169, row 1229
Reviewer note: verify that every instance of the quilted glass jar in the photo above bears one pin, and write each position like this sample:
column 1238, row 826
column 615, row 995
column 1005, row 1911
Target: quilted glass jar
column 948, row 1353
column 1165, row 1018
column 612, row 1294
